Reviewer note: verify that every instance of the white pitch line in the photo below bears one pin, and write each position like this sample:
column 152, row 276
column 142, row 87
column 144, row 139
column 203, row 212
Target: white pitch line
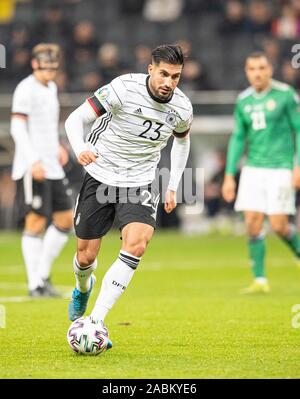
column 66, row 292
column 19, row 299
column 11, row 285
column 15, row 299
column 10, row 270
column 19, row 268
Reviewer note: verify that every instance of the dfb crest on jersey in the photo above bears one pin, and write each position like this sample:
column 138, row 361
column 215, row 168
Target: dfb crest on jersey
column 103, row 93
column 171, row 118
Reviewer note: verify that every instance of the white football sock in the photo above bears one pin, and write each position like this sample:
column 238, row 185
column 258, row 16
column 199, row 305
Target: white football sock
column 31, row 249
column 261, row 280
column 114, row 284
column 83, row 274
column 53, row 242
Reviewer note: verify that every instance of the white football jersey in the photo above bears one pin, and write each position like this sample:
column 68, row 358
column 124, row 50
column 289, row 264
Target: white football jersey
column 134, row 129
column 40, row 104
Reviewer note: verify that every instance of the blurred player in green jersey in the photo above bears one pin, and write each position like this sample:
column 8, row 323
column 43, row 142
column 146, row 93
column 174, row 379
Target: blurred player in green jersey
column 267, row 121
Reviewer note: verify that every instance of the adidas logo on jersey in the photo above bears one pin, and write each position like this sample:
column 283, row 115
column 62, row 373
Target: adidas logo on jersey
column 138, row 111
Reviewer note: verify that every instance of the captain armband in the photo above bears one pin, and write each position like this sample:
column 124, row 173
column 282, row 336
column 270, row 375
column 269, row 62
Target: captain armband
column 96, row 105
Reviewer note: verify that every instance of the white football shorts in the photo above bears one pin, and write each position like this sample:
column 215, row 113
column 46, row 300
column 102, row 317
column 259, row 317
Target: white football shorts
column 265, row 190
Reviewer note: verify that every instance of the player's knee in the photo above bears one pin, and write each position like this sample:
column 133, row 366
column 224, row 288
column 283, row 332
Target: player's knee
column 35, row 224
column 253, row 229
column 65, row 222
column 280, row 227
column 85, row 257
column 254, row 223
column 64, row 227
column 137, row 248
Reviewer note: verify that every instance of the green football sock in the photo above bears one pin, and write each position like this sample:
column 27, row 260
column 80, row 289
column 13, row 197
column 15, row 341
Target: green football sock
column 257, row 251
column 293, row 241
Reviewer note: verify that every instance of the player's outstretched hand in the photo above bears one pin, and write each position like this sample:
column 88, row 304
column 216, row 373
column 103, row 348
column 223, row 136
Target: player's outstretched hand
column 296, row 177
column 170, row 202
column 228, row 188
column 87, row 157
column 38, row 171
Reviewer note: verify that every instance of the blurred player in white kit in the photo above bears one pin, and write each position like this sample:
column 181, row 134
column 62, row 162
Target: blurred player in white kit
column 43, row 192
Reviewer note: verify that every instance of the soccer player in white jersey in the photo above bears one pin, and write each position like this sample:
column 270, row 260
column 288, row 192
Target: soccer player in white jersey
column 134, row 116
column 43, row 193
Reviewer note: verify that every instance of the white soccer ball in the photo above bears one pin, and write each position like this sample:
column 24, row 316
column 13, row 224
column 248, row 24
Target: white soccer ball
column 87, row 337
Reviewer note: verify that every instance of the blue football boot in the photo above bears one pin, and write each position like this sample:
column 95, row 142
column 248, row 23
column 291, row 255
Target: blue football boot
column 78, row 304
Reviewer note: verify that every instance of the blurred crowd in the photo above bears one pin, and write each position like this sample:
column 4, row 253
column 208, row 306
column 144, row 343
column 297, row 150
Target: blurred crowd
column 102, row 39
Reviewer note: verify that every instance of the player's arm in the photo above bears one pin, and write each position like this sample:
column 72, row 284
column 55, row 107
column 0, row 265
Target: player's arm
column 235, row 150
column 21, row 108
column 19, row 132
column 293, row 109
column 75, row 124
column 108, row 98
column 179, row 155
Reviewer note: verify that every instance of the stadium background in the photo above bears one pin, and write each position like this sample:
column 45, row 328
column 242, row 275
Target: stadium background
column 183, row 316
column 102, row 39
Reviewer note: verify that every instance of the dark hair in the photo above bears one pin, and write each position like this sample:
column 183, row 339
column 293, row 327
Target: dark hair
column 259, row 54
column 169, row 53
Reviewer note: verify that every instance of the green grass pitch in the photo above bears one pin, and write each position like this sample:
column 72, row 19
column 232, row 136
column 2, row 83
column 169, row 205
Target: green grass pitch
column 181, row 317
